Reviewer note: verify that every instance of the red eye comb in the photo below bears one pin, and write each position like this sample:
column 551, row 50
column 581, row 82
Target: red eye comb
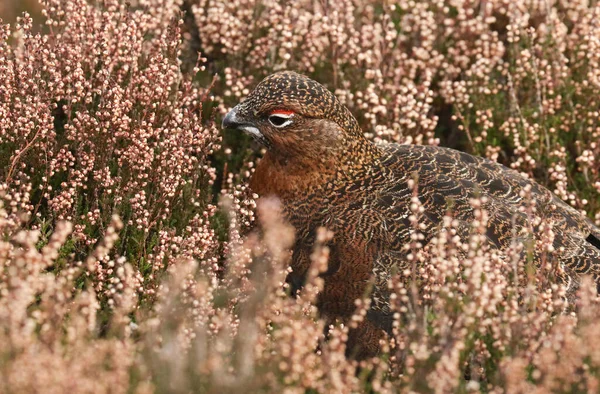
column 282, row 112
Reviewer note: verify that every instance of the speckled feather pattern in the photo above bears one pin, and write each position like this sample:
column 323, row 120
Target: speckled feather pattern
column 288, row 89
column 361, row 191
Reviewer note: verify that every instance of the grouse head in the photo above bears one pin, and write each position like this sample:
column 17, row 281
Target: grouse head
column 295, row 117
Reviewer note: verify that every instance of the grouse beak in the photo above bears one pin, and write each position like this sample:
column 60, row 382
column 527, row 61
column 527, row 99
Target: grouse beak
column 231, row 120
column 234, row 121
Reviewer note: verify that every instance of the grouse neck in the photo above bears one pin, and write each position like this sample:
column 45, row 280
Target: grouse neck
column 350, row 155
column 287, row 176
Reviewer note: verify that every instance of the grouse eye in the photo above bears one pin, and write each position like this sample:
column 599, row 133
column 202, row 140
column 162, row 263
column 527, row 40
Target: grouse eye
column 280, row 118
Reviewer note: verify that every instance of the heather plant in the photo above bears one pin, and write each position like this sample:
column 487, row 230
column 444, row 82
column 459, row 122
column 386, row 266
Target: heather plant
column 130, row 259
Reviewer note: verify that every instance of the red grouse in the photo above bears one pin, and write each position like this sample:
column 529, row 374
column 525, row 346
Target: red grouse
column 326, row 173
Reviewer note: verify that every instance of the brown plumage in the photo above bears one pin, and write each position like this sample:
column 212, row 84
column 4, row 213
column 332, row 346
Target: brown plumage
column 327, row 174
